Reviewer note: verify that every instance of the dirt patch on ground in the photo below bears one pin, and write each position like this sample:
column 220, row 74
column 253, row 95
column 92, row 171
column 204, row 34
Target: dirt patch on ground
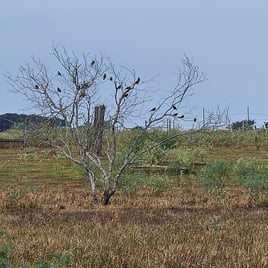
column 135, row 215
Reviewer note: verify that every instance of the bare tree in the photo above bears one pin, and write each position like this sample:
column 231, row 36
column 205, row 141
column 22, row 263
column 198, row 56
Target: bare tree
column 218, row 119
column 80, row 84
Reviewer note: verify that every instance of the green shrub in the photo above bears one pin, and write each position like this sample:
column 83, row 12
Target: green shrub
column 158, row 184
column 215, row 177
column 252, row 176
column 130, row 182
column 180, row 159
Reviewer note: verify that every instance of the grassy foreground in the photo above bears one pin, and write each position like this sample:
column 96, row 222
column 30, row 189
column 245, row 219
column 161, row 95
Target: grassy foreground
column 181, row 227
column 47, row 219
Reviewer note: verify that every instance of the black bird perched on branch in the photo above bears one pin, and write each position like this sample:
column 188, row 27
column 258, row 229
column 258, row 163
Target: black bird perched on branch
column 182, row 116
column 174, row 107
column 92, row 63
column 59, row 90
column 36, row 87
column 118, row 87
column 195, row 119
column 111, row 79
column 104, row 76
column 59, row 73
column 153, row 109
column 138, row 81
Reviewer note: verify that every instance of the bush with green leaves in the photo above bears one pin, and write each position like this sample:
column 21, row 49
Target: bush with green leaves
column 215, row 176
column 155, row 154
column 252, row 176
column 131, row 182
column 181, row 159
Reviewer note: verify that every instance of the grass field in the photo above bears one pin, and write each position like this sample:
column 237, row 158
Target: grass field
column 154, row 220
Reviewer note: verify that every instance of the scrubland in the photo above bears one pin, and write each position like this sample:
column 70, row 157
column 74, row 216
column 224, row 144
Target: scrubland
column 209, row 215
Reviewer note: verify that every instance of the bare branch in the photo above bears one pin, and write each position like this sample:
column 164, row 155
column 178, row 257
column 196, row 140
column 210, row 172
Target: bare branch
column 188, row 77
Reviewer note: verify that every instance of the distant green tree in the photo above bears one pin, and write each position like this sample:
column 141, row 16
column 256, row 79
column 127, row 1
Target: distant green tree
column 10, row 120
column 244, row 124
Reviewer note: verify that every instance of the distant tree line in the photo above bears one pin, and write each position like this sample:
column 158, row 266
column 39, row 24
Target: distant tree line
column 244, row 124
column 10, row 120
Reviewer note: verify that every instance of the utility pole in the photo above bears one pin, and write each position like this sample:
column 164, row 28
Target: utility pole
column 248, row 114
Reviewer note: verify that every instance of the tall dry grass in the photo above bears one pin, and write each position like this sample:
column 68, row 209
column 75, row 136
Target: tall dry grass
column 181, row 227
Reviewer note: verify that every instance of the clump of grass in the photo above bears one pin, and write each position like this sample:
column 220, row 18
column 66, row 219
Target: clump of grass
column 214, row 223
column 252, row 176
column 6, row 247
column 180, row 160
column 158, row 184
column 131, row 182
column 12, row 199
column 55, row 261
column 215, row 177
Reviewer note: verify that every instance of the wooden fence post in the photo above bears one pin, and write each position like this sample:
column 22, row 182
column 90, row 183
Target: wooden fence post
column 98, row 128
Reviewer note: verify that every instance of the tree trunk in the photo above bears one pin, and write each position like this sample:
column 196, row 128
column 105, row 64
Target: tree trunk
column 93, row 187
column 106, row 197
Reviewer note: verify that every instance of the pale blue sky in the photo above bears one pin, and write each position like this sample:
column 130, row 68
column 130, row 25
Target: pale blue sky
column 227, row 39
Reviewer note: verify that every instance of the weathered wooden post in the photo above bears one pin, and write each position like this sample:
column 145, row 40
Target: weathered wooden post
column 98, row 128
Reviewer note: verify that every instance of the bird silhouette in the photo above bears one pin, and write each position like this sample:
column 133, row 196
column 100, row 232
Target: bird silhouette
column 138, row 81
column 59, row 73
column 36, row 87
column 92, row 63
column 181, row 116
column 59, row 90
column 174, row 107
column 195, row 119
column 118, row 87
column 153, row 109
column 104, row 76
column 111, row 79
column 175, row 114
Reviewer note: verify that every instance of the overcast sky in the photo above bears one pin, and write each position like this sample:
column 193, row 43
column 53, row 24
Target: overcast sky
column 227, row 39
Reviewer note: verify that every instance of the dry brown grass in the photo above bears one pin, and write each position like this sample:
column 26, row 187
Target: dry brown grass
column 180, row 227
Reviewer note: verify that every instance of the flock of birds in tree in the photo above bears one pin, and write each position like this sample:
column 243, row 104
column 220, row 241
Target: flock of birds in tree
column 125, row 94
column 127, row 89
column 175, row 114
column 174, row 108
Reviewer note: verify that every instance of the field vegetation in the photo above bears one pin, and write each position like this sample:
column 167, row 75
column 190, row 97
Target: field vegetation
column 198, row 200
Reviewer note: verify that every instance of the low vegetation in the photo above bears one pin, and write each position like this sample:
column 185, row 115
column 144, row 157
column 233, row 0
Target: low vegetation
column 205, row 207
